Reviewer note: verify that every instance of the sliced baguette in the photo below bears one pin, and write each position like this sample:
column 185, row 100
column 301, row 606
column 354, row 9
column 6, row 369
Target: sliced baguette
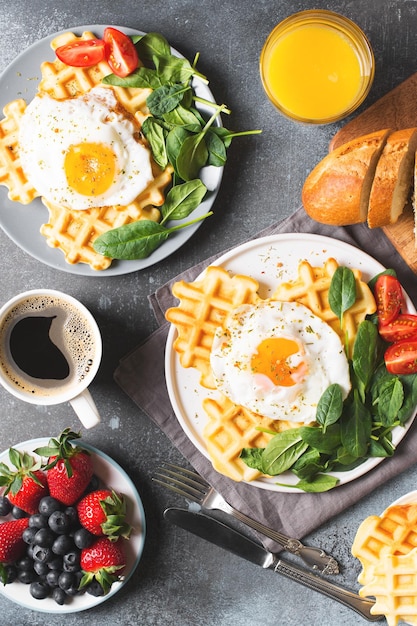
column 393, row 178
column 337, row 190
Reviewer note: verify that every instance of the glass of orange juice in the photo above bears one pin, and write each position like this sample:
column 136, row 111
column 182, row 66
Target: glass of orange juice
column 317, row 66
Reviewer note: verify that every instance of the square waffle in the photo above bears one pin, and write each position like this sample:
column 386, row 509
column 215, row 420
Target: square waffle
column 75, row 231
column 311, row 288
column 203, row 306
column 230, row 428
column 394, row 586
column 394, row 532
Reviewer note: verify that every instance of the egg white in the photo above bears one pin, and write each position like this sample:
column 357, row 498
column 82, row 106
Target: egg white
column 321, row 353
column 49, row 127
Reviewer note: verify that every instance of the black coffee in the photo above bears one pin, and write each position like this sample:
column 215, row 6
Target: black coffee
column 33, row 351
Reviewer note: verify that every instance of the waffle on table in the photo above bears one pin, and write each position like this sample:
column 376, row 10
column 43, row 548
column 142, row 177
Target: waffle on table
column 386, row 546
column 74, row 231
column 311, row 288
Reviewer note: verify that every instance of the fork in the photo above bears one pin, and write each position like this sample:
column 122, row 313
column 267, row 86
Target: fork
column 193, row 487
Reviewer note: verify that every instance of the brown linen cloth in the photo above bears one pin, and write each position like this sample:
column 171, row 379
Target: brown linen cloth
column 141, row 375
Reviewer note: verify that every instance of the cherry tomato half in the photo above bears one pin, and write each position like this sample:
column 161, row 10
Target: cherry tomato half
column 403, row 327
column 389, row 298
column 121, row 52
column 401, row 357
column 83, row 53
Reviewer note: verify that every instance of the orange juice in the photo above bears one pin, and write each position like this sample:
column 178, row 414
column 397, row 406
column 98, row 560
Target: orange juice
column 317, row 66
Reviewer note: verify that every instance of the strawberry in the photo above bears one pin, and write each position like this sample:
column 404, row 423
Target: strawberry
column 26, row 485
column 103, row 561
column 69, row 468
column 12, row 545
column 103, row 512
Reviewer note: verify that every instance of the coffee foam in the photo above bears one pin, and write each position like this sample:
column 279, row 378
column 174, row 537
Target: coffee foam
column 71, row 332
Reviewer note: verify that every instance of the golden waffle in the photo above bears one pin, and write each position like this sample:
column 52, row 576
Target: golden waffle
column 394, row 532
column 394, row 586
column 311, row 288
column 203, row 306
column 61, row 81
column 74, row 232
column 230, row 428
column 11, row 173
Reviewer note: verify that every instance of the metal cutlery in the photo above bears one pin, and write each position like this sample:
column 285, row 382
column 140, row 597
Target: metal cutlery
column 193, row 487
column 224, row 536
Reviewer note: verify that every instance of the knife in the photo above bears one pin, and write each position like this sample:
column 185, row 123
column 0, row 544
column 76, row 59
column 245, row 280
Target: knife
column 226, row 537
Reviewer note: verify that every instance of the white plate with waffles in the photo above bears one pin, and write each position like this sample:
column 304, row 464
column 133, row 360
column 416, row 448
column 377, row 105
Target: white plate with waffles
column 110, row 474
column 271, row 261
column 22, row 222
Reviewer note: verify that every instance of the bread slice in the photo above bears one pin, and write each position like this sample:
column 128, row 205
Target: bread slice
column 393, row 178
column 337, row 190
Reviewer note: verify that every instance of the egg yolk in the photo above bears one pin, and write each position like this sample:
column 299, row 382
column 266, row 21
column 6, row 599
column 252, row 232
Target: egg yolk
column 90, row 168
column 271, row 360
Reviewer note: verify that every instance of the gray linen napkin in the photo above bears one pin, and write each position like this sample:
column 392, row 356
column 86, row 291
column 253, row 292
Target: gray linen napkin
column 141, row 375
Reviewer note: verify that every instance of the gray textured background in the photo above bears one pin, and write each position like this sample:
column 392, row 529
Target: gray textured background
column 180, row 579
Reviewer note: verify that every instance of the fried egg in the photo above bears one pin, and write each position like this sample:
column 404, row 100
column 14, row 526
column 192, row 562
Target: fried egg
column 83, row 152
column 277, row 358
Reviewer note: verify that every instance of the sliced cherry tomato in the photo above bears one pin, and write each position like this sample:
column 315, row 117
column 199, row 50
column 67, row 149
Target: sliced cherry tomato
column 83, row 53
column 401, row 357
column 403, row 327
column 121, row 53
column 389, row 298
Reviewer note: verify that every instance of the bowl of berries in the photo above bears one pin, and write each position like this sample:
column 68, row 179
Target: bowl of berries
column 72, row 525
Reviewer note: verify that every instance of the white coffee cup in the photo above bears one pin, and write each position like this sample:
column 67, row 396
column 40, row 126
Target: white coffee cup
column 50, row 351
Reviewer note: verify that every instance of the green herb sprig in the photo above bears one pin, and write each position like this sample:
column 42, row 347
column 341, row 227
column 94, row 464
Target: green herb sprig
column 178, row 137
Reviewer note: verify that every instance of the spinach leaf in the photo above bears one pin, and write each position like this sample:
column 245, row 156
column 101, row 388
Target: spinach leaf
column 136, row 240
column 356, row 424
column 174, row 141
column 319, row 484
column 342, row 291
column 410, row 397
column 381, row 447
column 364, row 355
column 181, row 200
column 330, row 406
column 216, row 150
column 282, row 452
column 143, row 78
column 152, row 45
column 165, row 99
column 390, row 400
column 180, row 116
column 309, row 464
column 155, row 133
column 252, row 457
column 192, row 156
column 175, row 70
column 317, row 439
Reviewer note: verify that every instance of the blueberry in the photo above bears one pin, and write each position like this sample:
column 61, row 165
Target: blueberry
column 95, row 589
column 63, row 544
column 26, row 577
column 40, row 568
column 52, row 577
column 74, row 589
column 39, row 590
column 55, row 563
column 66, row 580
column 44, row 537
column 48, row 505
column 72, row 559
column 5, row 506
column 38, row 521
column 59, row 522
column 72, row 514
column 41, row 554
column 24, row 563
column 18, row 513
column 83, row 538
column 28, row 535
column 59, row 595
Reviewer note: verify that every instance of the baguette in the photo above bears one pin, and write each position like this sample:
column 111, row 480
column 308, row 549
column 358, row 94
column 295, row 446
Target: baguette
column 337, row 190
column 393, row 178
